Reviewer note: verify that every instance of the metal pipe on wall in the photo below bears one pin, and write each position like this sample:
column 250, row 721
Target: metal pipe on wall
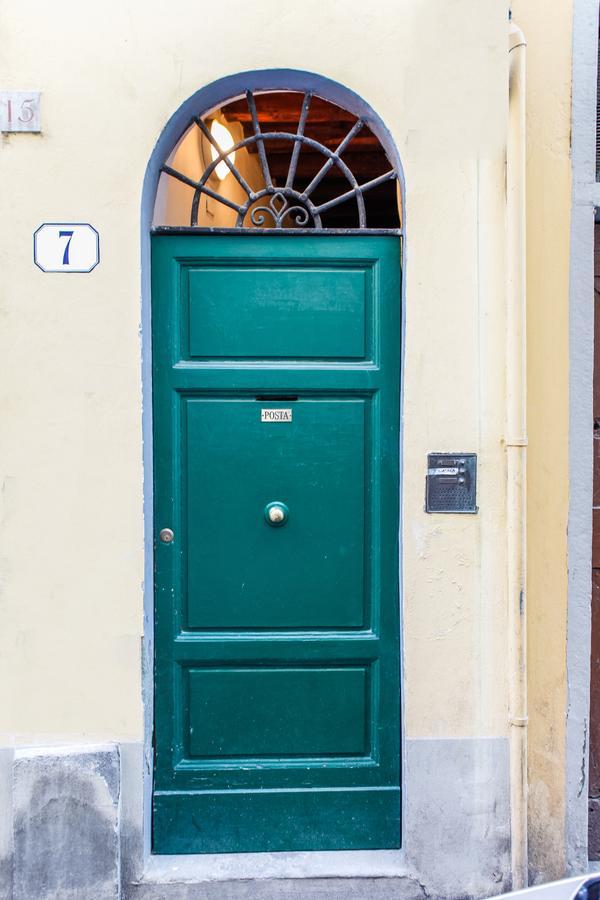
column 516, row 454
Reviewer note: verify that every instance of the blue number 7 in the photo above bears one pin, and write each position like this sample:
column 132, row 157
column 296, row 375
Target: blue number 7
column 68, row 234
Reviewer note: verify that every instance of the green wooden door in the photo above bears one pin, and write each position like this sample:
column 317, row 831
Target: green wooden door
column 276, row 381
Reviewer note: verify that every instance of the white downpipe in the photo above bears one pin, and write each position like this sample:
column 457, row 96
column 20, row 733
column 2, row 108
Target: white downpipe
column 516, row 452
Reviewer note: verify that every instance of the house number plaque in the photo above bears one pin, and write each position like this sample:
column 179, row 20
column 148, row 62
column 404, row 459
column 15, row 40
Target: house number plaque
column 20, row 111
column 66, row 247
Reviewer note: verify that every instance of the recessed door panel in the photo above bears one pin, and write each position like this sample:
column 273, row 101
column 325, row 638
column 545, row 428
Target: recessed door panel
column 276, row 367
column 275, row 712
column 308, row 573
column 267, row 311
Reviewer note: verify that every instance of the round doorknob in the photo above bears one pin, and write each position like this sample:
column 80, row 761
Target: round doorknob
column 276, row 513
column 166, row 536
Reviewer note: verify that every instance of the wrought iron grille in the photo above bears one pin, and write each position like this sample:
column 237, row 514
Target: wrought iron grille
column 280, row 205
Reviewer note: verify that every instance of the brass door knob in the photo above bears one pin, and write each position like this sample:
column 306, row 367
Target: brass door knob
column 276, row 513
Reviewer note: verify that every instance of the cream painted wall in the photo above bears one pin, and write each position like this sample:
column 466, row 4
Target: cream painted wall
column 71, row 447
column 548, row 209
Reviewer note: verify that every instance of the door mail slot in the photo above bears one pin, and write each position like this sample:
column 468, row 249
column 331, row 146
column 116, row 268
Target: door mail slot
column 451, row 484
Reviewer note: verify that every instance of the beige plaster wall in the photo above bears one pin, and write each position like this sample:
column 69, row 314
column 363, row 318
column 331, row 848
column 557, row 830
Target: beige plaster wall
column 71, row 443
column 549, row 198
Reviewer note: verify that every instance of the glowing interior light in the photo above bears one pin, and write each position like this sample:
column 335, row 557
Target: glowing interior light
column 225, row 141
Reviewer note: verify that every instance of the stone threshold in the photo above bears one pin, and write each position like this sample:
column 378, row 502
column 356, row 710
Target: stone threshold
column 269, row 888
column 373, row 874
column 260, row 866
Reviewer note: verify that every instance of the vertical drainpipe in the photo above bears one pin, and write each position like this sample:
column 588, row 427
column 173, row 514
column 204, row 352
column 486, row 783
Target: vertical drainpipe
column 516, row 453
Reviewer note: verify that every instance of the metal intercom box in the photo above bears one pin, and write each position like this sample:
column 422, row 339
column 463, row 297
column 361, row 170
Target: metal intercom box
column 451, row 484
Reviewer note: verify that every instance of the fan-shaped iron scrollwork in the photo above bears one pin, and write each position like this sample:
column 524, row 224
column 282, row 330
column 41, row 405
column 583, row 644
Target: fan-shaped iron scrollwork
column 283, row 206
column 277, row 210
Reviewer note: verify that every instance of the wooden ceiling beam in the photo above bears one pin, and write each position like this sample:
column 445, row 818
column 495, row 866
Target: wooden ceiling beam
column 305, row 172
column 330, row 139
column 273, row 111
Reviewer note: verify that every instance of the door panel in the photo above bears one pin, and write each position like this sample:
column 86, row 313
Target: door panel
column 276, row 311
column 273, row 820
column 278, row 712
column 308, row 574
column 276, row 380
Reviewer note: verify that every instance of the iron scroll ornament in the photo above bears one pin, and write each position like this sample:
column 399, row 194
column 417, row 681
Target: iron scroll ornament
column 282, row 205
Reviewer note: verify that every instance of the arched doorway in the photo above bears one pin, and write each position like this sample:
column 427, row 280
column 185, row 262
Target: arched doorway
column 276, row 378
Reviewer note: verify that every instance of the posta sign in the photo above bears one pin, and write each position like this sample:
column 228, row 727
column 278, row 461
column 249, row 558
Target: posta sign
column 276, row 415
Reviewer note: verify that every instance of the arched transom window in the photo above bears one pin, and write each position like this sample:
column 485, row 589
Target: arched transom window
column 278, row 160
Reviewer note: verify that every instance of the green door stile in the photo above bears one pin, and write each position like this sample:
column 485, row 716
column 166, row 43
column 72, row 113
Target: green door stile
column 276, row 394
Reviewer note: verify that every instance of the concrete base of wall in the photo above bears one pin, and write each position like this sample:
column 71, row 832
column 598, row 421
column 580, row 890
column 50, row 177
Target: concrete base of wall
column 72, row 826
column 64, row 839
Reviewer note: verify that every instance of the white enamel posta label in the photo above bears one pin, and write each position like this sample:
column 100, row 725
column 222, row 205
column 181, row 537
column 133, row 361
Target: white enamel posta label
column 276, row 415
